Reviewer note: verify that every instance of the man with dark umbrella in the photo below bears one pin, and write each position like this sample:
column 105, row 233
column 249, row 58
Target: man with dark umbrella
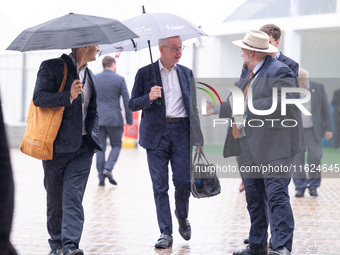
column 67, row 173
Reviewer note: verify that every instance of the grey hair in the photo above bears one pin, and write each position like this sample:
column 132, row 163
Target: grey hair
column 162, row 41
column 303, row 73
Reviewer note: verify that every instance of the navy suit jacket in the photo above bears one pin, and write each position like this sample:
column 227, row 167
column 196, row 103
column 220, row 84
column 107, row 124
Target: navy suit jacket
column 336, row 105
column 110, row 87
column 271, row 141
column 321, row 114
column 153, row 115
column 46, row 94
column 294, row 66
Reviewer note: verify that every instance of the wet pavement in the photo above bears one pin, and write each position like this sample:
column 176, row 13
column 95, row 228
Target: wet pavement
column 121, row 220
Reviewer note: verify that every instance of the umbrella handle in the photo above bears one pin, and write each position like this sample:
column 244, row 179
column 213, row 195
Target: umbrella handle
column 158, row 100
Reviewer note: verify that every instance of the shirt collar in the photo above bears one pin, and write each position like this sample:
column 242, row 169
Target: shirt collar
column 74, row 62
column 162, row 67
column 277, row 55
column 258, row 66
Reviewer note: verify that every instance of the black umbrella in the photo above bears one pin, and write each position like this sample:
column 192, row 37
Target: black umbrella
column 71, row 31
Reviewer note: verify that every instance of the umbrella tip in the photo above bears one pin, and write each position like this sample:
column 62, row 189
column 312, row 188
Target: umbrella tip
column 143, row 8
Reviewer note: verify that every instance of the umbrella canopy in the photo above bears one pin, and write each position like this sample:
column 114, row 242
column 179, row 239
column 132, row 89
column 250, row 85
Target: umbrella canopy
column 71, row 31
column 152, row 27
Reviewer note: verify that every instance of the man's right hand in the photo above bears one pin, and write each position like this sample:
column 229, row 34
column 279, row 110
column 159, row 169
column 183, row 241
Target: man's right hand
column 76, row 89
column 210, row 110
column 155, row 93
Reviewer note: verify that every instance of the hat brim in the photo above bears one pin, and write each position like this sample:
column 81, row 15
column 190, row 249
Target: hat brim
column 241, row 44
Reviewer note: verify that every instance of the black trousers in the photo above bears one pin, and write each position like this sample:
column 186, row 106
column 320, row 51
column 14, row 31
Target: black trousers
column 65, row 181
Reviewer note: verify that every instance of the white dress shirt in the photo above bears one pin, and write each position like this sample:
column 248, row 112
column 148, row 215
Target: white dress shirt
column 174, row 105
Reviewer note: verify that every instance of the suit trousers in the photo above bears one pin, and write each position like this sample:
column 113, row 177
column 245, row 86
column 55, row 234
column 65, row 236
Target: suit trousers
column 65, row 180
column 174, row 147
column 268, row 200
column 336, row 134
column 115, row 136
column 314, row 155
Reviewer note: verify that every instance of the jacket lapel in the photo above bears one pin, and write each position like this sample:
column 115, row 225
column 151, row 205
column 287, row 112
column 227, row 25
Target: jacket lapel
column 184, row 88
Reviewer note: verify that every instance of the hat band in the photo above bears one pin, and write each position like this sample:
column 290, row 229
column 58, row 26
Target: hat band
column 255, row 47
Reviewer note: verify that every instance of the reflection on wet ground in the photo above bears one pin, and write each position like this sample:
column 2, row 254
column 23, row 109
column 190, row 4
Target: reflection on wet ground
column 122, row 219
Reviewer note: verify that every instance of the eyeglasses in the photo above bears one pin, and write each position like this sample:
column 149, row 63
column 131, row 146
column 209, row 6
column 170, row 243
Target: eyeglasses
column 174, row 48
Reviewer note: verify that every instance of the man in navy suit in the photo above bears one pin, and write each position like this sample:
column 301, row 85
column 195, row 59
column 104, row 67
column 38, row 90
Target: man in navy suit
column 67, row 173
column 315, row 127
column 169, row 128
column 265, row 147
column 274, row 33
column 336, row 115
column 111, row 87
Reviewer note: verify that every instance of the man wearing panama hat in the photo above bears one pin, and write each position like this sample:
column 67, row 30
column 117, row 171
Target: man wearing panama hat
column 266, row 151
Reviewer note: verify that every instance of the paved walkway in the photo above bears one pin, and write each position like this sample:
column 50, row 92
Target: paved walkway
column 121, row 220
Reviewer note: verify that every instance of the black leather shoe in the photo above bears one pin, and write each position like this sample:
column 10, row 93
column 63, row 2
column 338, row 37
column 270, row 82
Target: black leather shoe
column 280, row 251
column 101, row 183
column 246, row 241
column 108, row 174
column 300, row 193
column 55, row 252
column 248, row 251
column 184, row 228
column 74, row 252
column 313, row 192
column 164, row 241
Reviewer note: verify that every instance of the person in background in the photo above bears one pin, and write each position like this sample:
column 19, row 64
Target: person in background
column 315, row 127
column 169, row 128
column 274, row 33
column 110, row 88
column 66, row 175
column 6, row 193
column 336, row 114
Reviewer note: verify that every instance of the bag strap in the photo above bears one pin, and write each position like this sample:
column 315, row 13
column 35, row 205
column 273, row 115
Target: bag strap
column 193, row 161
column 65, row 76
column 200, row 157
column 204, row 157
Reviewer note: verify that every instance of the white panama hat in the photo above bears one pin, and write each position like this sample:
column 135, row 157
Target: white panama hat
column 257, row 41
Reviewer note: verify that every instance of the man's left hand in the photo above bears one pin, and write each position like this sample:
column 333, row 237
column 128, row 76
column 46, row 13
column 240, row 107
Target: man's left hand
column 199, row 149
